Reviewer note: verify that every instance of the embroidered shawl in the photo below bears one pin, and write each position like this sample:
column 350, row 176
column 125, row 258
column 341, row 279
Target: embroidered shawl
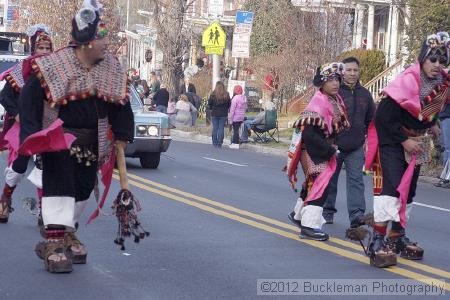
column 405, row 90
column 331, row 119
column 64, row 78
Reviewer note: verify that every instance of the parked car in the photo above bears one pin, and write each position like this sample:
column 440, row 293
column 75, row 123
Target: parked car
column 151, row 135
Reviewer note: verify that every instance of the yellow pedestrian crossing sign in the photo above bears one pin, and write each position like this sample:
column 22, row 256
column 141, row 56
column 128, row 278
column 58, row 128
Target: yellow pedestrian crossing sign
column 214, row 36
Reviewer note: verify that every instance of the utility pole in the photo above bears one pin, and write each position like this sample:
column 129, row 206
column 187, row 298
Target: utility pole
column 128, row 14
column 215, row 70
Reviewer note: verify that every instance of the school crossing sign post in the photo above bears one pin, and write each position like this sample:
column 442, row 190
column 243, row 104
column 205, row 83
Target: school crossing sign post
column 214, row 39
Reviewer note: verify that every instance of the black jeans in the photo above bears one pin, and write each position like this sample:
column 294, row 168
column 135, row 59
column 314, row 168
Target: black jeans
column 236, row 126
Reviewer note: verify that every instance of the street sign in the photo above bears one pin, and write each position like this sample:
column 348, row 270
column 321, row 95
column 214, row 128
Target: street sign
column 241, row 45
column 215, row 7
column 12, row 15
column 209, row 50
column 244, row 17
column 214, row 36
column 241, row 34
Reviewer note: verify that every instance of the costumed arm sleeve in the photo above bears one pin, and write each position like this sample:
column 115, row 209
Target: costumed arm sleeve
column 31, row 107
column 121, row 119
column 9, row 100
column 389, row 115
column 317, row 146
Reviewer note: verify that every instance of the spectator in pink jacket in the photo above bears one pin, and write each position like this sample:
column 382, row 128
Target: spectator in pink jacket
column 237, row 114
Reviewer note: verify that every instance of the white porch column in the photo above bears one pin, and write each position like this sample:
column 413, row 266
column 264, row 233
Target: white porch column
column 359, row 19
column 394, row 36
column 387, row 38
column 370, row 26
column 407, row 14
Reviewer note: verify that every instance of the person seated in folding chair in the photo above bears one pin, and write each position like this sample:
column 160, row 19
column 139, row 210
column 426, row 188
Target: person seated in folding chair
column 257, row 123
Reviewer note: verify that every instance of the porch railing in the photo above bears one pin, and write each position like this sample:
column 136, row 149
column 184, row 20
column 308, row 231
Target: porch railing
column 377, row 84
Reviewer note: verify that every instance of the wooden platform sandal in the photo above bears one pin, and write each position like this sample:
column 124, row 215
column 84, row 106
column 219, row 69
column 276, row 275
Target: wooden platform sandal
column 75, row 249
column 5, row 209
column 407, row 249
column 54, row 255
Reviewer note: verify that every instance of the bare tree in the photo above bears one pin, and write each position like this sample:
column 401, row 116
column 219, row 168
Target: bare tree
column 304, row 40
column 174, row 38
column 58, row 14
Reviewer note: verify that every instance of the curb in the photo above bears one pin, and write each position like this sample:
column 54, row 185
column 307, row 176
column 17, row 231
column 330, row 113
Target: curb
column 192, row 137
column 183, row 136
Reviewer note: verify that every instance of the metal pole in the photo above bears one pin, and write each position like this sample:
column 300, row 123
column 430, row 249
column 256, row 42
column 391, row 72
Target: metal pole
column 215, row 70
column 5, row 15
column 128, row 13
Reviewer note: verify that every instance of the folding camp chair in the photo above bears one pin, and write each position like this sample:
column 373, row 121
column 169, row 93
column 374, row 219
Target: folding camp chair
column 269, row 131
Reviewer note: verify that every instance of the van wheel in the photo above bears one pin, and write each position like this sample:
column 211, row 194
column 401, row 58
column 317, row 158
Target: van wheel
column 150, row 160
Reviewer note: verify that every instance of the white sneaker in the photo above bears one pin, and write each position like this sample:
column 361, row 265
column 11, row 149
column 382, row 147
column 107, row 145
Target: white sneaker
column 234, row 146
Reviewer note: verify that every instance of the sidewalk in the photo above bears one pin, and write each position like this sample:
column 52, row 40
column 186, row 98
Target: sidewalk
column 196, row 137
column 200, row 135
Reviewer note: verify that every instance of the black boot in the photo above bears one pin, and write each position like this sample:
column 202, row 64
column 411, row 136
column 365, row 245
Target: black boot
column 401, row 244
column 313, row 234
column 380, row 255
column 294, row 221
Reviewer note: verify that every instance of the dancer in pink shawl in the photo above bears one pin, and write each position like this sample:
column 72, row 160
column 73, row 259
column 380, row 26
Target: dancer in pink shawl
column 16, row 78
column 316, row 150
column 399, row 145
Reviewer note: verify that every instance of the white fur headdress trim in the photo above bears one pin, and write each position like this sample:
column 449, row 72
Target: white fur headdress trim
column 87, row 13
column 38, row 27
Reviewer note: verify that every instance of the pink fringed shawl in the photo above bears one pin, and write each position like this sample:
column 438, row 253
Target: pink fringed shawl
column 319, row 104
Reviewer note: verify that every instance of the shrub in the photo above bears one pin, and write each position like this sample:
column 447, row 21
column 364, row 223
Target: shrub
column 372, row 62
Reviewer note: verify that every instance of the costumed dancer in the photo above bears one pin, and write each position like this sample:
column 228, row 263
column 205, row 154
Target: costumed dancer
column 398, row 145
column 314, row 147
column 41, row 44
column 85, row 87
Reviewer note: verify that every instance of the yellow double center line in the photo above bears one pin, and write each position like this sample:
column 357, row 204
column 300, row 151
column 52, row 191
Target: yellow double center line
column 252, row 219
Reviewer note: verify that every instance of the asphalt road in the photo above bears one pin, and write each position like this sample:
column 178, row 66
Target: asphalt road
column 218, row 224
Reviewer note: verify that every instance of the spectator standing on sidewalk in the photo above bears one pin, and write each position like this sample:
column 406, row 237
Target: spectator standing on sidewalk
column 360, row 108
column 219, row 103
column 155, row 84
column 237, row 114
column 161, row 99
column 188, row 87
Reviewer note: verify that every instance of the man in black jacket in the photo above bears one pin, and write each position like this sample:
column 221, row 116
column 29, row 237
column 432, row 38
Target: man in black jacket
column 161, row 99
column 360, row 108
